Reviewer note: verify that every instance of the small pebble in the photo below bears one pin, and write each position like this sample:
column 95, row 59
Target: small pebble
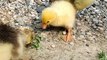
column 89, row 33
column 78, row 24
column 72, row 43
column 106, row 37
column 82, row 36
column 53, row 46
column 87, row 45
column 64, row 32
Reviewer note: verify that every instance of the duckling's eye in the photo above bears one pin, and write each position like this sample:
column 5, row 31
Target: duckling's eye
column 47, row 21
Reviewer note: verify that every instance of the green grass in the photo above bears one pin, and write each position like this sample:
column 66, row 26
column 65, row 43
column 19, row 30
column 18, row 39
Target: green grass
column 36, row 41
column 102, row 55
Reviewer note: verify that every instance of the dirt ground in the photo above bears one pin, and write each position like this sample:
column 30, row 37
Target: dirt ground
column 87, row 42
column 86, row 45
column 83, row 47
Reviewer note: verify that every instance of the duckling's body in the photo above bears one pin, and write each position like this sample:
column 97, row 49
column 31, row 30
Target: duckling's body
column 12, row 42
column 65, row 14
column 60, row 13
column 5, row 51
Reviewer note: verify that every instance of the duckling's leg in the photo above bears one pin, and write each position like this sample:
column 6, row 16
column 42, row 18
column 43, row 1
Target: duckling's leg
column 69, row 35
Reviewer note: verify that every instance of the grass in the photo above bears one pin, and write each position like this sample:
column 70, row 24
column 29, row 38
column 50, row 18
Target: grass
column 102, row 55
column 36, row 41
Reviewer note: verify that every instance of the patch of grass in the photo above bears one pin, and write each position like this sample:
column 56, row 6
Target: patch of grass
column 36, row 41
column 102, row 55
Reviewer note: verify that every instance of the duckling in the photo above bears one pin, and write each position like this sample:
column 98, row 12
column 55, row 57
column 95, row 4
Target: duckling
column 12, row 42
column 60, row 13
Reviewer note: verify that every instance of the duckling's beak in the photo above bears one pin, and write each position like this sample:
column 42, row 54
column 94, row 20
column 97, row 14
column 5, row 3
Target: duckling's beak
column 44, row 26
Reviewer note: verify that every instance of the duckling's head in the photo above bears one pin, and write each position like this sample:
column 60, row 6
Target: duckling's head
column 48, row 16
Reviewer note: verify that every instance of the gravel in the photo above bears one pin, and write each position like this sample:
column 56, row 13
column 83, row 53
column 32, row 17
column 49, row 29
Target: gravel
column 90, row 29
column 17, row 13
column 96, row 15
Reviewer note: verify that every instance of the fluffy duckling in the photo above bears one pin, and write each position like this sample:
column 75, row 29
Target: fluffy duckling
column 12, row 42
column 60, row 13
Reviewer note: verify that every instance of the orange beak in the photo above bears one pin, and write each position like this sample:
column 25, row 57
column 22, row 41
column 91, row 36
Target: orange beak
column 44, row 26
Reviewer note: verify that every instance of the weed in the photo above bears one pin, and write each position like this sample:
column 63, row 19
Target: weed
column 36, row 41
column 102, row 56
